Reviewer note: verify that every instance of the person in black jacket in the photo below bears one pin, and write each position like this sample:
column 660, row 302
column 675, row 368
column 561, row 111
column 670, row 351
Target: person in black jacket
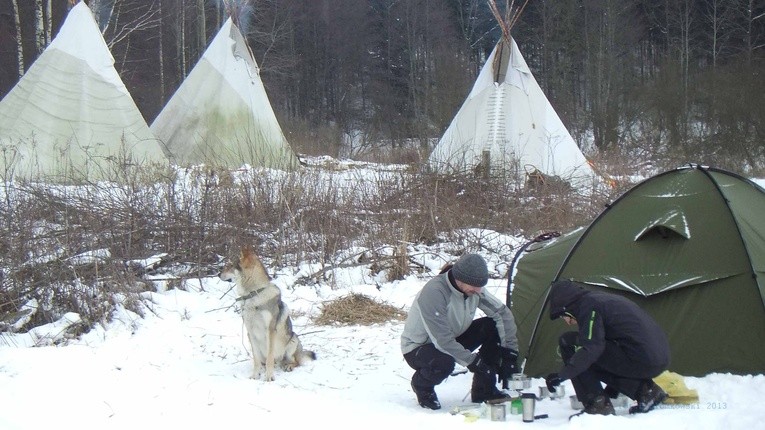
column 618, row 344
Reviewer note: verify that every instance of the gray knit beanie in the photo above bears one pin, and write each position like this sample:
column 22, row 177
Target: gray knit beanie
column 471, row 269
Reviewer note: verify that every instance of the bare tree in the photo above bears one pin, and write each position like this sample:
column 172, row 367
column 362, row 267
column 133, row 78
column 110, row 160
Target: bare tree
column 129, row 17
column 476, row 24
column 161, row 56
column 102, row 12
column 48, row 22
column 19, row 40
column 270, row 28
column 388, row 70
column 754, row 26
column 601, row 51
column 718, row 16
column 181, row 46
column 201, row 26
column 39, row 28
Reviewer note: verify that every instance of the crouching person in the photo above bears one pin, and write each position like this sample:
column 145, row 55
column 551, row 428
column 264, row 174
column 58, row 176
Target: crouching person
column 617, row 343
column 440, row 331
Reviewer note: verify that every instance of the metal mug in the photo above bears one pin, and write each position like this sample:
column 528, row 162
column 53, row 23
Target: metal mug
column 560, row 392
column 498, row 411
column 520, row 381
column 528, row 401
column 544, row 392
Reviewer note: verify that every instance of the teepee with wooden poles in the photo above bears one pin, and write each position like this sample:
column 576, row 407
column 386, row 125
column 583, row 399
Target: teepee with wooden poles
column 506, row 123
column 70, row 117
column 221, row 114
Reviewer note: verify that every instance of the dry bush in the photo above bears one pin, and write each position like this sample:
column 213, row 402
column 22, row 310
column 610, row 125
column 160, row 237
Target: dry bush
column 192, row 217
column 400, row 267
column 62, row 248
column 358, row 309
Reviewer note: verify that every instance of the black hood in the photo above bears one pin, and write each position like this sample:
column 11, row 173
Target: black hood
column 564, row 296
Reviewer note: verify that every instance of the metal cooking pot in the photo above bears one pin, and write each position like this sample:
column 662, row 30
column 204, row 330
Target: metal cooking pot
column 520, row 381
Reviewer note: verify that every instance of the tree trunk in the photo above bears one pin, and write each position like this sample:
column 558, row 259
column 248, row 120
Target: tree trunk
column 102, row 12
column 201, row 30
column 751, row 42
column 19, row 45
column 39, row 28
column 182, row 41
column 161, row 57
column 48, row 22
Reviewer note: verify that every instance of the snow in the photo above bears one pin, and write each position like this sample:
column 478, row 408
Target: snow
column 185, row 365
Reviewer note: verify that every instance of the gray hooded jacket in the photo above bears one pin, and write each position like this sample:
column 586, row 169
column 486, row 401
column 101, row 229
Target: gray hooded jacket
column 441, row 312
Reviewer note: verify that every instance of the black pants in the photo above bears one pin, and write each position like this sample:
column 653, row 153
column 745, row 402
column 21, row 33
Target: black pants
column 614, row 367
column 433, row 366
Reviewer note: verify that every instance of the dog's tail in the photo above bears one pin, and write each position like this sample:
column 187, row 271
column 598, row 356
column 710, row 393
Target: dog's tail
column 306, row 356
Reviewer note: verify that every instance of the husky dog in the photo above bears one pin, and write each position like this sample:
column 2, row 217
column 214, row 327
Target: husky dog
column 265, row 316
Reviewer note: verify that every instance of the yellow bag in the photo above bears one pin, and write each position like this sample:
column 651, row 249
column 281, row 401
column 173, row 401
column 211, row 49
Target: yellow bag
column 674, row 386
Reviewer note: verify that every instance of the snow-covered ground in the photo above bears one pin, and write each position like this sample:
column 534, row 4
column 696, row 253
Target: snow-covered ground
column 185, row 365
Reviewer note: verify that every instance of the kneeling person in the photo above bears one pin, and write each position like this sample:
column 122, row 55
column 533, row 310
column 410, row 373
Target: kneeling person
column 618, row 344
column 440, row 331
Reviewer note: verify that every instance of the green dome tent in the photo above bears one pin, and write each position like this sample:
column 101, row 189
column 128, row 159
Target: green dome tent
column 687, row 245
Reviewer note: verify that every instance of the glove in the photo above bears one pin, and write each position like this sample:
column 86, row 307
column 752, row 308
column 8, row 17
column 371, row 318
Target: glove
column 479, row 367
column 509, row 363
column 553, row 380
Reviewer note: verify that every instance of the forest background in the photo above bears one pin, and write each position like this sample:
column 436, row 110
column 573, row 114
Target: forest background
column 641, row 79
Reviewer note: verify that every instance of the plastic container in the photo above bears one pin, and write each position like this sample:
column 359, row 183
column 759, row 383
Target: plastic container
column 516, row 407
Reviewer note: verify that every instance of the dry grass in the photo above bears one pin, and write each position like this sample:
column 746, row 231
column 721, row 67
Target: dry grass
column 358, row 309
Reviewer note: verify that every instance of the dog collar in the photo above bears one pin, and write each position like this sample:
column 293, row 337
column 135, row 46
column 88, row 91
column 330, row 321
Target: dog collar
column 250, row 295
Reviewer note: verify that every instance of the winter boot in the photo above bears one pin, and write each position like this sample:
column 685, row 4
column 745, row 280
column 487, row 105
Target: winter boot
column 600, row 405
column 484, row 389
column 648, row 396
column 426, row 397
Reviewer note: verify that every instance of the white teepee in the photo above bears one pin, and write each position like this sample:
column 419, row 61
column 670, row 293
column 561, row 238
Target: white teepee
column 70, row 117
column 507, row 121
column 221, row 115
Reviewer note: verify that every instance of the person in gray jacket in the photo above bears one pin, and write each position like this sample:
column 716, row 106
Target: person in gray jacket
column 441, row 330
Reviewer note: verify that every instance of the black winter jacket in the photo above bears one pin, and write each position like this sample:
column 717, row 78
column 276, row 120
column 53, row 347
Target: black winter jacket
column 602, row 318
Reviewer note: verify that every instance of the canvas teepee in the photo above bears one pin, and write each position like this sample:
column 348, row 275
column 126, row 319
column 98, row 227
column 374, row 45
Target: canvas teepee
column 221, row 115
column 70, row 117
column 508, row 122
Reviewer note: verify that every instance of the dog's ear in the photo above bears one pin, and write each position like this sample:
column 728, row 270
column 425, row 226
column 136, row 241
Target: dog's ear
column 247, row 253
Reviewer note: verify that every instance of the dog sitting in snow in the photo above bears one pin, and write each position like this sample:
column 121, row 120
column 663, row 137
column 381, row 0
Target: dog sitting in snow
column 266, row 317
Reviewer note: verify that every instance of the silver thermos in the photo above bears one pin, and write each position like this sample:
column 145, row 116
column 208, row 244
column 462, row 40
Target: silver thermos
column 528, row 401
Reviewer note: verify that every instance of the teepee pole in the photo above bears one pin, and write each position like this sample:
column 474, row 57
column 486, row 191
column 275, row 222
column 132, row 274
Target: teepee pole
column 506, row 23
column 512, row 15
